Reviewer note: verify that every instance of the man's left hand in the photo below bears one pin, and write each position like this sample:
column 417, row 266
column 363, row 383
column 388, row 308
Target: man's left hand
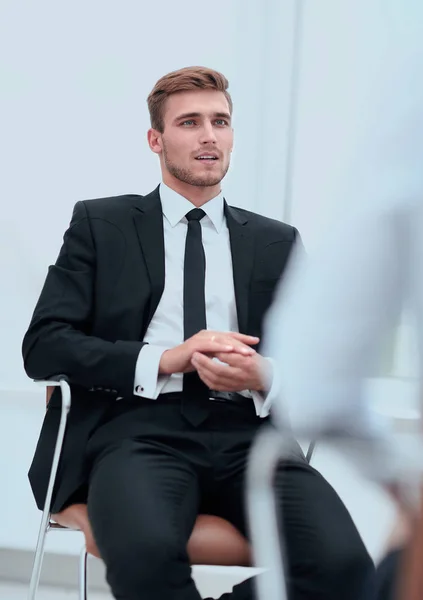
column 237, row 374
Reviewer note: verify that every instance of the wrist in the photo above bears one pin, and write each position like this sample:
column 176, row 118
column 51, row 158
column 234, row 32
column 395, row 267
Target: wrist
column 165, row 363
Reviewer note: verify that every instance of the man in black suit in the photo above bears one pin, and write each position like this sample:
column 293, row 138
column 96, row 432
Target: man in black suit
column 154, row 312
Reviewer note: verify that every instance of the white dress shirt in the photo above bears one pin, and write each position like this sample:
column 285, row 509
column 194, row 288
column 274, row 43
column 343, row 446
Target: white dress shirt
column 331, row 316
column 166, row 328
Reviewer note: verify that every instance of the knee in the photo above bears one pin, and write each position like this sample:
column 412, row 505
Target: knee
column 145, row 562
column 354, row 561
column 349, row 569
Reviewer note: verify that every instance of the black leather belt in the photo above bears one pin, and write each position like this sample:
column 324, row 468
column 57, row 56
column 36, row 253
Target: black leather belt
column 213, row 396
column 226, row 397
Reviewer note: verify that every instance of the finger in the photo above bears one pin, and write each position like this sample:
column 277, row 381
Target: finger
column 237, row 345
column 215, row 372
column 205, row 379
column 241, row 348
column 251, row 340
column 213, row 346
column 219, row 385
column 200, row 360
column 234, row 359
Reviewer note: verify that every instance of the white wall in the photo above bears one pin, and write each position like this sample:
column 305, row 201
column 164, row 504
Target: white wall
column 344, row 52
column 74, row 80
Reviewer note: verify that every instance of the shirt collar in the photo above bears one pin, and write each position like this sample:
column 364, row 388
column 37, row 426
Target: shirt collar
column 175, row 207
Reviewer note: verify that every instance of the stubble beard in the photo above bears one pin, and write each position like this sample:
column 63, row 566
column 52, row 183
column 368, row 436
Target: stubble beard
column 187, row 176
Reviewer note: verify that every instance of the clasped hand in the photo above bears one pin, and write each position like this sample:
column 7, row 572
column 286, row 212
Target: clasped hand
column 239, row 367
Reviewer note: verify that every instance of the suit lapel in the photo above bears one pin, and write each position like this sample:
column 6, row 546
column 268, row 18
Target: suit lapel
column 148, row 220
column 242, row 249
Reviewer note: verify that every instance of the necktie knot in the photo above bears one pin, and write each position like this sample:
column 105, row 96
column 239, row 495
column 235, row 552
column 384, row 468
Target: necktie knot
column 196, row 214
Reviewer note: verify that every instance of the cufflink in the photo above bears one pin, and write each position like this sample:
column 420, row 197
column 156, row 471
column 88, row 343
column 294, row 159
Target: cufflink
column 139, row 389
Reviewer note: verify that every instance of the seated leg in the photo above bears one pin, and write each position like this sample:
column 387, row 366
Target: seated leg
column 325, row 556
column 142, row 505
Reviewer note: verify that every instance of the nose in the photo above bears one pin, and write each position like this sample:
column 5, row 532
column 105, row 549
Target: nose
column 208, row 134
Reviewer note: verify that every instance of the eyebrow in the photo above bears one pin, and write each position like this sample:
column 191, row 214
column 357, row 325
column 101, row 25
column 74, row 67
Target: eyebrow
column 219, row 115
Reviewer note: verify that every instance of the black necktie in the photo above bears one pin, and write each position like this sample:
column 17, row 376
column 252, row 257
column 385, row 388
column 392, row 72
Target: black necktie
column 195, row 406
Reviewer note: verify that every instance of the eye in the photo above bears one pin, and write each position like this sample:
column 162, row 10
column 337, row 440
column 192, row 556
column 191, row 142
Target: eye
column 188, row 123
column 221, row 122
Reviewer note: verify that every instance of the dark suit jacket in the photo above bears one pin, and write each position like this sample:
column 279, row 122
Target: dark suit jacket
column 97, row 303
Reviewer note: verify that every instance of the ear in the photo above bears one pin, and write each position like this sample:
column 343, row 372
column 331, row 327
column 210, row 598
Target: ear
column 154, row 138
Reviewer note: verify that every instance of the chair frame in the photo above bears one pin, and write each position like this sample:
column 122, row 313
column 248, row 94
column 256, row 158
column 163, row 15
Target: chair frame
column 268, row 450
column 47, row 524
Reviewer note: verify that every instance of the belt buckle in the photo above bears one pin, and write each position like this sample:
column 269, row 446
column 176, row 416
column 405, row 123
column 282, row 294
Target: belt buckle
column 221, row 397
column 216, row 399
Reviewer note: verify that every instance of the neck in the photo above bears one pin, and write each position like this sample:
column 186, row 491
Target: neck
column 197, row 195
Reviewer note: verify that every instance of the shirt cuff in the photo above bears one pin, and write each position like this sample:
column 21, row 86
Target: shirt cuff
column 148, row 383
column 264, row 400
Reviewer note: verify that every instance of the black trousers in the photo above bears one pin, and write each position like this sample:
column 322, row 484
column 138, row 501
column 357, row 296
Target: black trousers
column 151, row 473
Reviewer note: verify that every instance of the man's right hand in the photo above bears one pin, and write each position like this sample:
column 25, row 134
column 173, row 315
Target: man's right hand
column 178, row 359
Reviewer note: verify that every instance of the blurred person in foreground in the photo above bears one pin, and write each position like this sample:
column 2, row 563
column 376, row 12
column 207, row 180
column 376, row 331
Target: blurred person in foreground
column 335, row 309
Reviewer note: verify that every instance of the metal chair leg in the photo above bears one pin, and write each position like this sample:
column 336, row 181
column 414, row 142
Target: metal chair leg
column 269, row 448
column 45, row 519
column 83, row 559
column 39, row 555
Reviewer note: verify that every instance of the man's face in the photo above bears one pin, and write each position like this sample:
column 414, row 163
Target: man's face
column 197, row 141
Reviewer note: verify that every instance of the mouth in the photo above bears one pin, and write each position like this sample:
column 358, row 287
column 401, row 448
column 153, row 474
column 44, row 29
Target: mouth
column 207, row 158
